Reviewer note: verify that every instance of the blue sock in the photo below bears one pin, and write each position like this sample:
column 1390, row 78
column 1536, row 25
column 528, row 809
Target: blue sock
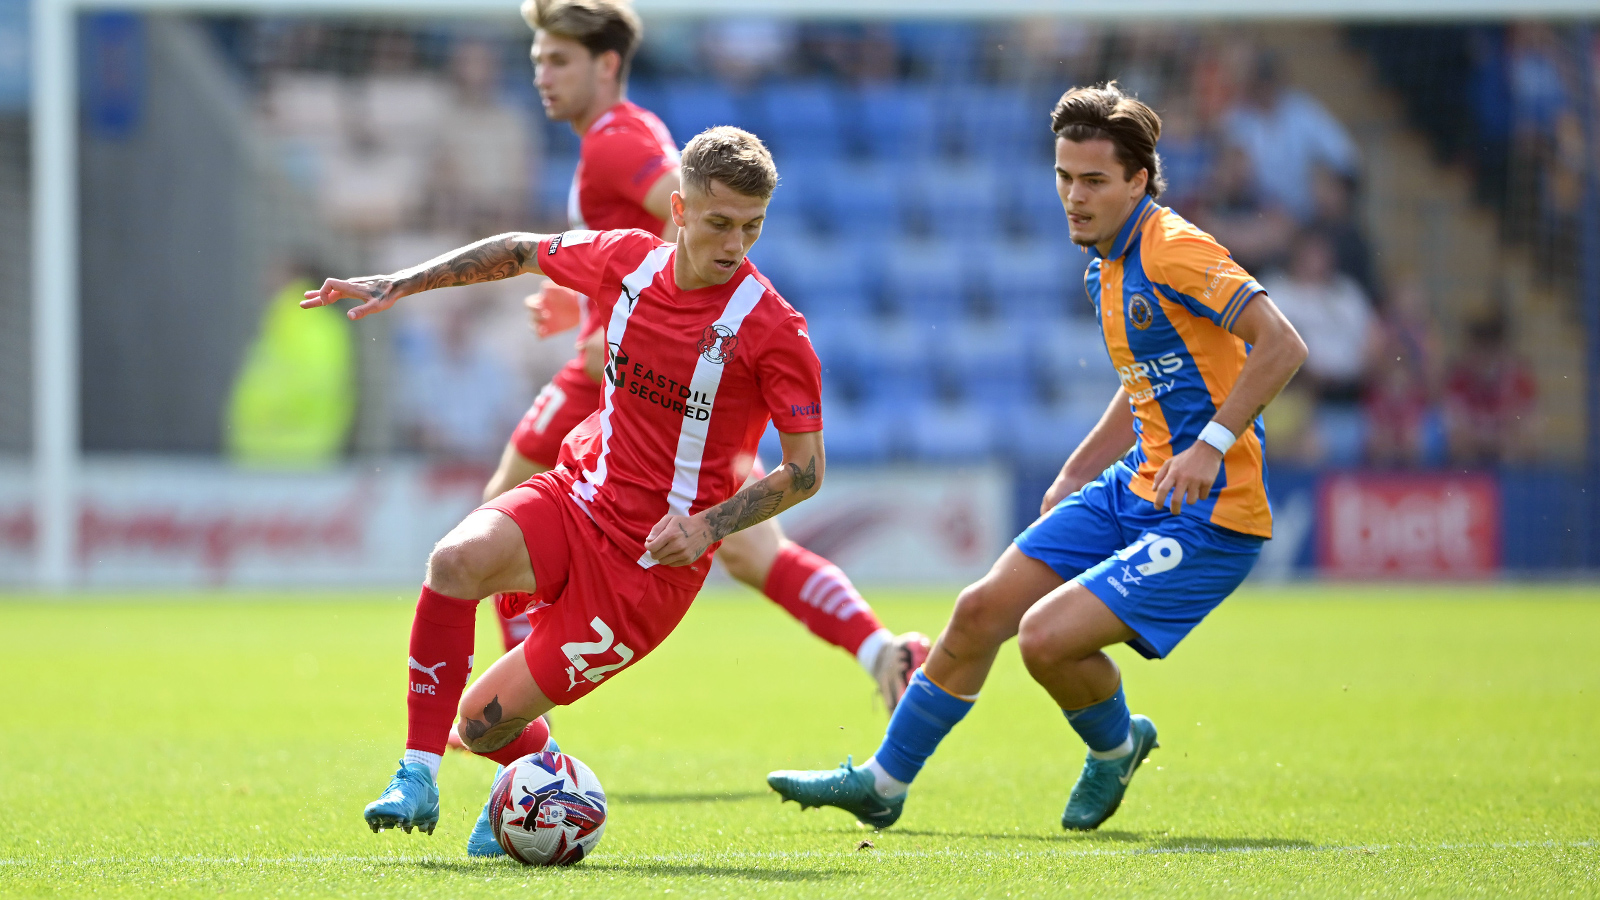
column 1103, row 726
column 921, row 720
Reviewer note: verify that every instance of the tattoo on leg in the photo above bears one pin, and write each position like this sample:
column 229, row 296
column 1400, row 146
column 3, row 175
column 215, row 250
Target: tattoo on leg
column 472, row 729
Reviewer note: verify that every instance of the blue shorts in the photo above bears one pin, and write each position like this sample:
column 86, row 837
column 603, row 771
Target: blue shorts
column 1159, row 573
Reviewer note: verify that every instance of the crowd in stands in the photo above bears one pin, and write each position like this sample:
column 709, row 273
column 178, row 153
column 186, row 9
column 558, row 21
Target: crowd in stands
column 916, row 223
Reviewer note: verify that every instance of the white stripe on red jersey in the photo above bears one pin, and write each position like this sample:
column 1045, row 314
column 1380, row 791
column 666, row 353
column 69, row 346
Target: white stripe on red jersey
column 692, row 379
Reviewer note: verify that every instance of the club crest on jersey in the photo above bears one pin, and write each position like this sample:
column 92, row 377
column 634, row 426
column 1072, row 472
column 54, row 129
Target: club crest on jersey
column 718, row 343
column 1140, row 313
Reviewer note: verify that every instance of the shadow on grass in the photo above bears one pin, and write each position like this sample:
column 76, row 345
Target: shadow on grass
column 704, row 797
column 1132, row 840
column 643, row 868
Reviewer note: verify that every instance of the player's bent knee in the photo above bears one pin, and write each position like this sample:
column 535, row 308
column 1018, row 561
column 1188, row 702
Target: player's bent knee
column 453, row 570
column 979, row 616
column 1044, row 643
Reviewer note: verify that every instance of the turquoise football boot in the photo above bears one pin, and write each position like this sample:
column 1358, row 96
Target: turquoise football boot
column 847, row 787
column 481, row 842
column 410, row 801
column 1102, row 783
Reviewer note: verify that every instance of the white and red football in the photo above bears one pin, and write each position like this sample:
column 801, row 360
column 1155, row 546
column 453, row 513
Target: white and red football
column 547, row 809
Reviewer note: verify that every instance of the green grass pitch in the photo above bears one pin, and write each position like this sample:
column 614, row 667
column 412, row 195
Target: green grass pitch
column 1316, row 741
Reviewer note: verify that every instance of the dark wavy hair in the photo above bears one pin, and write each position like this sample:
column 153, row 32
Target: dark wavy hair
column 1104, row 112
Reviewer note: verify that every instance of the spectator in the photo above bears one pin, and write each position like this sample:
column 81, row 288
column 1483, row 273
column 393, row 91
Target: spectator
column 1404, row 426
column 1286, row 132
column 742, row 51
column 1335, row 318
column 485, row 149
column 459, row 400
column 1334, row 215
column 1489, row 399
column 1256, row 232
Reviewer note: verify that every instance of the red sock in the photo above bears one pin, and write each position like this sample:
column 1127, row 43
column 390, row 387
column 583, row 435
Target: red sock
column 513, row 630
column 531, row 740
column 441, row 661
column 817, row 593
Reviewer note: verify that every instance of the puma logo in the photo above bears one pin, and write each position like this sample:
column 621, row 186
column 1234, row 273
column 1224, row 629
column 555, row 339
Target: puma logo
column 572, row 678
column 431, row 671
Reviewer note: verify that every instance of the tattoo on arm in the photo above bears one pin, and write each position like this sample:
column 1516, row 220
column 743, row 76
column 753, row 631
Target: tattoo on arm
column 803, row 480
column 491, row 259
column 759, row 502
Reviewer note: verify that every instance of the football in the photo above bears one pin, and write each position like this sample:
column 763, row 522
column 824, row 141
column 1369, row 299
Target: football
column 547, row 809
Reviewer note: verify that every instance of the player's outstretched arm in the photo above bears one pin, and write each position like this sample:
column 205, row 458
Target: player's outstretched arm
column 680, row 540
column 1276, row 352
column 491, row 259
column 1106, row 443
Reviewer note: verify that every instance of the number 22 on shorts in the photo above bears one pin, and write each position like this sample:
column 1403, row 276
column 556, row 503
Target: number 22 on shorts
column 1165, row 553
column 577, row 650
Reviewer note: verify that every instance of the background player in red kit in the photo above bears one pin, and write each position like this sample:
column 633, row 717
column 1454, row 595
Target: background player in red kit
column 612, row 545
column 627, row 171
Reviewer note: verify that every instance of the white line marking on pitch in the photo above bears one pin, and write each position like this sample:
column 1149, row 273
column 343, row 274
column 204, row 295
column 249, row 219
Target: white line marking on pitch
column 1196, row 850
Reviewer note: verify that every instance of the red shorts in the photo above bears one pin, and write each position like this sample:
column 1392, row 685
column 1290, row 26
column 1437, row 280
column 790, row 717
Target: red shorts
column 567, row 400
column 596, row 611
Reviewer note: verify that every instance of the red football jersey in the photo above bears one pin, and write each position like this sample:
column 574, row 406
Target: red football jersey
column 621, row 157
column 691, row 380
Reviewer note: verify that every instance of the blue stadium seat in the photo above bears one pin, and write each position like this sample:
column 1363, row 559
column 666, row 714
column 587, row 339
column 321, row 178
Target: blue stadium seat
column 822, row 277
column 894, row 366
column 854, row 434
column 951, row 433
column 1030, row 279
column 1071, row 356
column 925, row 280
column 802, row 119
column 944, row 52
column 960, row 201
column 555, row 182
column 1046, row 435
column 990, row 364
column 898, row 122
column 1037, row 205
column 999, row 124
column 861, row 200
column 693, row 105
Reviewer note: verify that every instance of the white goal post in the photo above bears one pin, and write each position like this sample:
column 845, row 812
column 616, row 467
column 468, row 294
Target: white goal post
column 54, row 153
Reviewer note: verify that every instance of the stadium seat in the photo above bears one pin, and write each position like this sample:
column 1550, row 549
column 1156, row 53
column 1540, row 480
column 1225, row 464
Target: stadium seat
column 803, row 119
column 894, row 367
column 861, row 200
column 1030, row 279
column 854, row 434
column 823, row 278
column 925, row 280
column 1036, row 205
column 1071, row 356
column 1045, row 436
column 694, row 105
column 944, row 52
column 951, row 433
column 959, row 201
column 989, row 364
column 898, row 122
column 998, row 124
column 555, row 183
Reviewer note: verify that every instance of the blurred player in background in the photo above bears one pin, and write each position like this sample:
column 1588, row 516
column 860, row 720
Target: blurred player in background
column 610, row 547
column 1158, row 514
column 627, row 171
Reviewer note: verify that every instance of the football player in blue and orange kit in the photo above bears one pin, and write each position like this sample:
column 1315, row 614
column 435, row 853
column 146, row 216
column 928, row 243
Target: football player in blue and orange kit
column 1156, row 517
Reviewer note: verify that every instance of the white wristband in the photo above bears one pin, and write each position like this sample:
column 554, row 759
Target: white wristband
column 1218, row 436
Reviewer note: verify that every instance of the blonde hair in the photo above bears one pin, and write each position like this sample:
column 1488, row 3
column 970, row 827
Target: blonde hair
column 732, row 156
column 599, row 25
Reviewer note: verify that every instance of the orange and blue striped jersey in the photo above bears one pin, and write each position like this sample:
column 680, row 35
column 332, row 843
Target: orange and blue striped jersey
column 1166, row 296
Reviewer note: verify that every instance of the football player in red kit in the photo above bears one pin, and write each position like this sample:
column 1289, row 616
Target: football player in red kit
column 612, row 545
column 627, row 170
